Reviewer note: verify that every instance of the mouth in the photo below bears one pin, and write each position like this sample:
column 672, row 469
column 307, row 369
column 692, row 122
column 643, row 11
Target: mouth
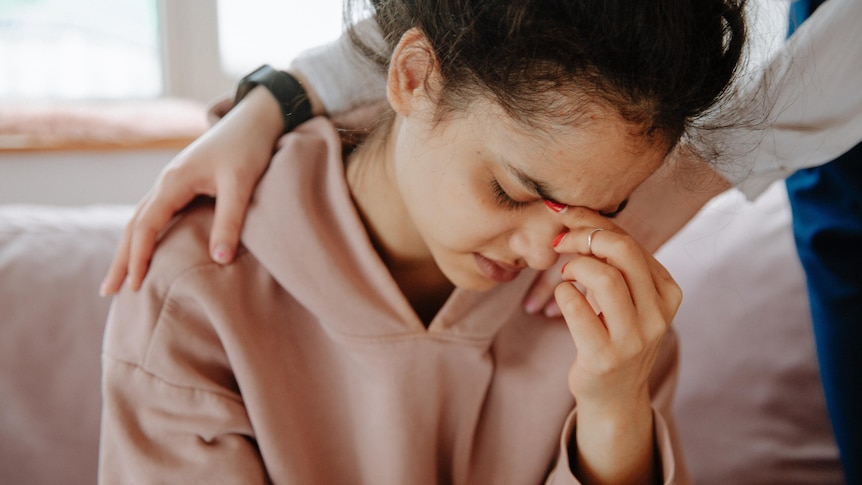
column 496, row 270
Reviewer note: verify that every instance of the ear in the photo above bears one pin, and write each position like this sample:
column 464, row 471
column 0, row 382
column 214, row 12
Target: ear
column 412, row 74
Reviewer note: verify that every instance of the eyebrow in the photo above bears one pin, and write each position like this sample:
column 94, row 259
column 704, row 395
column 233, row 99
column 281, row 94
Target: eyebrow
column 540, row 189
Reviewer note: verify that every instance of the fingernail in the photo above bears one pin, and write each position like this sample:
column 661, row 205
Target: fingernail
column 552, row 310
column 556, row 206
column 563, row 269
column 557, row 240
column 221, row 253
column 531, row 306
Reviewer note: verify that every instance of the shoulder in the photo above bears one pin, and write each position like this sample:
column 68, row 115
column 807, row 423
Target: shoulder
column 180, row 262
column 313, row 139
column 182, row 248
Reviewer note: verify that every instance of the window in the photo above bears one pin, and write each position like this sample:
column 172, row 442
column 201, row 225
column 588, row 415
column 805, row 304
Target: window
column 133, row 49
column 254, row 32
column 87, row 49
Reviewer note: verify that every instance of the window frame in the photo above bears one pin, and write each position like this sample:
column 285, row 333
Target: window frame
column 189, row 43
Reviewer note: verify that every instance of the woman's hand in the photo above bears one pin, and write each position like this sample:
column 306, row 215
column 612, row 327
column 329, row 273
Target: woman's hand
column 656, row 211
column 617, row 320
column 226, row 161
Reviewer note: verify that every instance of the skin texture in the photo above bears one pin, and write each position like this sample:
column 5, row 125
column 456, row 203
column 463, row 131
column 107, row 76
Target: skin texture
column 657, row 210
column 426, row 191
column 241, row 143
column 217, row 165
column 448, row 203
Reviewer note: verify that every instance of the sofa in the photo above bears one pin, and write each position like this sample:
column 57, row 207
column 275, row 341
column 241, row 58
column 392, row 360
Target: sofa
column 750, row 407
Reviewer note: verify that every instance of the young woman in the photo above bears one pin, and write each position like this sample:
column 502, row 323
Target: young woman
column 370, row 329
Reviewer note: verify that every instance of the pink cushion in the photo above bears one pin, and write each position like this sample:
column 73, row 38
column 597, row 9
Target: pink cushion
column 749, row 404
column 749, row 407
column 51, row 321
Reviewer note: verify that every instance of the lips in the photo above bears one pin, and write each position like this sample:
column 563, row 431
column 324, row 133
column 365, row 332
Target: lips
column 496, row 270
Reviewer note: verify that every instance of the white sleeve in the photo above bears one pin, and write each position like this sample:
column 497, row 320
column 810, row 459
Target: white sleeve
column 341, row 75
column 811, row 95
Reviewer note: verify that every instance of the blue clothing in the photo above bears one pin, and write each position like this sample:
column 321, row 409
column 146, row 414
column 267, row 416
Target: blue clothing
column 827, row 226
column 826, row 203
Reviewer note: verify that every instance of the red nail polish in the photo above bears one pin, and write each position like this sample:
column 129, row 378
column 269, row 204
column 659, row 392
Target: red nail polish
column 563, row 269
column 559, row 238
column 556, row 206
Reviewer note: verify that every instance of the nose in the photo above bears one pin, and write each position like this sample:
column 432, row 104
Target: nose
column 532, row 242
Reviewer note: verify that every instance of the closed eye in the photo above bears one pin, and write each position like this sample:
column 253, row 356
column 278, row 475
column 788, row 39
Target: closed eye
column 503, row 199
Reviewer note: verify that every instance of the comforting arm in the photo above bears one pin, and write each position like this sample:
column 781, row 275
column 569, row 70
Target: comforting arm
column 227, row 161
column 239, row 147
column 810, row 93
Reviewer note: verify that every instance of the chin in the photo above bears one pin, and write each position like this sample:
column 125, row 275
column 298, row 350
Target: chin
column 464, row 275
column 472, row 282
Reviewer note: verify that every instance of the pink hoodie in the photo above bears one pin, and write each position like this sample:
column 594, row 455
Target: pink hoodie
column 303, row 363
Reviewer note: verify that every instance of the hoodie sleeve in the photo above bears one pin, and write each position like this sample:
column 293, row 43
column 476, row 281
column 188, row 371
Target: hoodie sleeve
column 804, row 109
column 171, row 408
column 342, row 76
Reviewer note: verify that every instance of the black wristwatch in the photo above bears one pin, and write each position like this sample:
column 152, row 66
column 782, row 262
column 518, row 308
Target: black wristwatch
column 291, row 96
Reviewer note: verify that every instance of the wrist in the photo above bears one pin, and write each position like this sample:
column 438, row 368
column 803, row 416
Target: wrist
column 618, row 410
column 289, row 93
column 616, row 422
column 258, row 114
column 611, row 448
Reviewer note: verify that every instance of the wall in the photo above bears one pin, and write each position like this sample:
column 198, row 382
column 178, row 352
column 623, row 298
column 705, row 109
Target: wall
column 79, row 177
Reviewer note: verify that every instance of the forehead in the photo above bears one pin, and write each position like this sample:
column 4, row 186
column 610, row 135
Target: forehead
column 596, row 161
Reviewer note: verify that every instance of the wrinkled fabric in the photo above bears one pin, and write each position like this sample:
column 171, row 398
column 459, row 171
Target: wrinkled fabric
column 302, row 362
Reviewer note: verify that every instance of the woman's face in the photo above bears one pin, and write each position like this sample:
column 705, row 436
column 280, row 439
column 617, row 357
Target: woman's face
column 474, row 185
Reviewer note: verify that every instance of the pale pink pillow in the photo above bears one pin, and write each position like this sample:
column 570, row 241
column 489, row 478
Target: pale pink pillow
column 51, row 322
column 750, row 406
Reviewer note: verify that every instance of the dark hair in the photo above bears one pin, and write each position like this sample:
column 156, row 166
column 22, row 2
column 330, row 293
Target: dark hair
column 660, row 63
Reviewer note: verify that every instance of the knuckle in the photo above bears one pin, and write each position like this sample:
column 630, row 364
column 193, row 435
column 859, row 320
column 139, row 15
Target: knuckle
column 566, row 302
column 661, row 328
column 174, row 171
column 624, row 244
column 609, row 278
column 656, row 329
column 635, row 345
column 568, row 299
column 673, row 297
column 608, row 362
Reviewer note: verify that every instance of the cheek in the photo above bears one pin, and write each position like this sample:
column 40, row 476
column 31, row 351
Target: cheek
column 452, row 202
column 471, row 218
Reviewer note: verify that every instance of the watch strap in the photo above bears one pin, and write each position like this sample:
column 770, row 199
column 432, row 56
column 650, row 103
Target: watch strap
column 287, row 90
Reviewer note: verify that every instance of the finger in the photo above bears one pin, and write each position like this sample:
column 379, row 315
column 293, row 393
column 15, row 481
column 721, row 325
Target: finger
column 670, row 294
column 117, row 270
column 607, row 286
column 585, row 327
column 541, row 294
column 552, row 310
column 623, row 253
column 156, row 212
column 231, row 206
column 655, row 294
column 654, row 291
